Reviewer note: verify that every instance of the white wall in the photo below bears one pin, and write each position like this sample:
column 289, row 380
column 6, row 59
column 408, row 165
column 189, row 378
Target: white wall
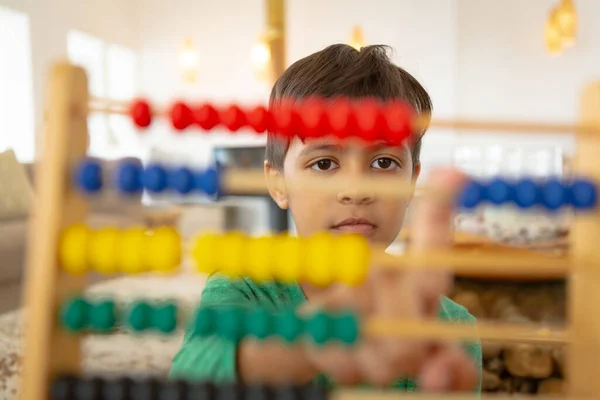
column 50, row 21
column 504, row 70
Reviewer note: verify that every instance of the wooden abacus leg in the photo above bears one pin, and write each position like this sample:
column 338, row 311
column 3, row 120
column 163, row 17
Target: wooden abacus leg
column 584, row 289
column 48, row 350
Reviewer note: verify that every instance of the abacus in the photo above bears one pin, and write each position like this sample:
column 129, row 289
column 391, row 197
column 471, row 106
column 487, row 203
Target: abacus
column 62, row 249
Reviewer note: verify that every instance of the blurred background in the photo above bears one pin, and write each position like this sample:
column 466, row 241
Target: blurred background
column 511, row 59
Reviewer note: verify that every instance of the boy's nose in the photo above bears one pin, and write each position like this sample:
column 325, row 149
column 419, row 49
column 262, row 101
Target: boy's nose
column 354, row 195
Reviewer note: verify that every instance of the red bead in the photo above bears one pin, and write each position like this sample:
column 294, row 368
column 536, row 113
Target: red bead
column 206, row 116
column 398, row 118
column 181, row 116
column 370, row 123
column 260, row 119
column 233, row 118
column 286, row 119
column 342, row 119
column 314, row 118
column 141, row 113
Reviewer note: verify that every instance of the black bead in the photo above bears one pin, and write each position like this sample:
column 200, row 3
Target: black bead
column 63, row 388
column 201, row 391
column 230, row 391
column 175, row 390
column 89, row 389
column 288, row 393
column 315, row 392
column 117, row 389
column 259, row 392
column 145, row 389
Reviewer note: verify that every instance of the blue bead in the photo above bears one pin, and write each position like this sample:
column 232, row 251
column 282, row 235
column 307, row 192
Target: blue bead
column 554, row 194
column 181, row 180
column 471, row 196
column 526, row 194
column 89, row 176
column 498, row 191
column 154, row 178
column 583, row 194
column 128, row 178
column 208, row 182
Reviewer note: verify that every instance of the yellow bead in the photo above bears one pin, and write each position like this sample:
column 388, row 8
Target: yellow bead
column 353, row 257
column 131, row 251
column 288, row 258
column 258, row 256
column 103, row 250
column 320, row 260
column 231, row 253
column 163, row 250
column 73, row 248
column 205, row 253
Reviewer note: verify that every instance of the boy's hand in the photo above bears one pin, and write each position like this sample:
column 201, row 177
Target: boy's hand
column 395, row 294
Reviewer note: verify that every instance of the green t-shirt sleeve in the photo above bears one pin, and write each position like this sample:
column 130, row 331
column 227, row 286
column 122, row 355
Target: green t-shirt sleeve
column 212, row 357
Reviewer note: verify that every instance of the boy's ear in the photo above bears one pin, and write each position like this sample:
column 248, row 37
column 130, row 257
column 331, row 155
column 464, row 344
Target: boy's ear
column 416, row 171
column 276, row 185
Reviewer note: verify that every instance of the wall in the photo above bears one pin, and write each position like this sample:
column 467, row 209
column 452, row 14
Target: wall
column 50, row 20
column 504, row 70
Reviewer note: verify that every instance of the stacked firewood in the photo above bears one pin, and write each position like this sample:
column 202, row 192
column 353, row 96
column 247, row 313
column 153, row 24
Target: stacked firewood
column 518, row 368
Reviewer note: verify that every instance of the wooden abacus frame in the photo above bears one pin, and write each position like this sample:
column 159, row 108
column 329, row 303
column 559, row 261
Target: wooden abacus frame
column 49, row 350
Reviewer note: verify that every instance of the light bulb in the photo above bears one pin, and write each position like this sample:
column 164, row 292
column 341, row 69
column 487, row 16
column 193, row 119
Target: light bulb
column 566, row 19
column 357, row 39
column 553, row 35
column 189, row 60
column 260, row 54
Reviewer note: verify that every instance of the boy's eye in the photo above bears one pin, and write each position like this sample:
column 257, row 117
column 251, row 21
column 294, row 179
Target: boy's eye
column 384, row 163
column 324, row 165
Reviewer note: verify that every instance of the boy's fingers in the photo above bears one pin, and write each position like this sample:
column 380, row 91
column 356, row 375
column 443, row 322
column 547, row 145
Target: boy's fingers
column 432, row 217
column 337, row 362
column 432, row 229
column 449, row 370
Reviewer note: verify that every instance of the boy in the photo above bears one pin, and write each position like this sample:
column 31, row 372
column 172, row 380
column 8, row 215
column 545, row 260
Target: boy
column 340, row 70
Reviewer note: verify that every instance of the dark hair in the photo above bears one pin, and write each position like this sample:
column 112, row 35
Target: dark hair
column 341, row 70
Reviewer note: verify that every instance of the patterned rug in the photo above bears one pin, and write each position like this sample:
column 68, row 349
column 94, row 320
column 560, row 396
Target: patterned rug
column 115, row 353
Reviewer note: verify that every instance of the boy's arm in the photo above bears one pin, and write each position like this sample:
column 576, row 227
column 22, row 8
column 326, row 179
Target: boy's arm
column 218, row 359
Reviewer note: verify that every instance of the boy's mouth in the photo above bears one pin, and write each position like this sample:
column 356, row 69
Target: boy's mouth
column 355, row 225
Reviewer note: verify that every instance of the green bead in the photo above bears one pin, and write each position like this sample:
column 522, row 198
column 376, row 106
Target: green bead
column 259, row 323
column 164, row 317
column 75, row 314
column 139, row 316
column 319, row 328
column 230, row 323
column 102, row 316
column 346, row 327
column 205, row 321
column 289, row 326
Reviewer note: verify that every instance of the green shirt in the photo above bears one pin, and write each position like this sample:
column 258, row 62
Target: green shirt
column 214, row 358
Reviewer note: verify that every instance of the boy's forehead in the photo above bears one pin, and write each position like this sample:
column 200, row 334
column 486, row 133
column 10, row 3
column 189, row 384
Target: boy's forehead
column 300, row 147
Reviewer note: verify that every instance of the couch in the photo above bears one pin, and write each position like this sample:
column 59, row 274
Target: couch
column 14, row 221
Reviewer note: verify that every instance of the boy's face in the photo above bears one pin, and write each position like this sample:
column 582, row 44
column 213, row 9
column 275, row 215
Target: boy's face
column 351, row 209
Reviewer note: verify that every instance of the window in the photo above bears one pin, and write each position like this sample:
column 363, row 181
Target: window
column 111, row 72
column 17, row 125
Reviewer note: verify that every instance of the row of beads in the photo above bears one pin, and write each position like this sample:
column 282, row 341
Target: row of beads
column 111, row 250
column 321, row 259
column 102, row 315
column 552, row 194
column 131, row 177
column 236, row 324
column 79, row 314
column 124, row 388
column 368, row 119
